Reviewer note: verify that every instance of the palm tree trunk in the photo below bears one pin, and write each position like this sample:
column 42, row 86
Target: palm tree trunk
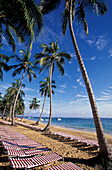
column 4, row 112
column 103, row 144
column 47, row 128
column 37, row 123
column 13, row 122
column 11, row 108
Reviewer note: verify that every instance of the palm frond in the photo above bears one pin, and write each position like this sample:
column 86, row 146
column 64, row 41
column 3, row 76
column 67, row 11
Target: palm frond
column 48, row 5
column 65, row 17
column 80, row 15
column 60, row 68
column 95, row 5
column 17, row 71
column 5, row 58
column 9, row 38
column 63, row 54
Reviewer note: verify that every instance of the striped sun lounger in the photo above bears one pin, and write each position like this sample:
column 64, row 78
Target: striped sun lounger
column 26, row 153
column 35, row 161
column 65, row 166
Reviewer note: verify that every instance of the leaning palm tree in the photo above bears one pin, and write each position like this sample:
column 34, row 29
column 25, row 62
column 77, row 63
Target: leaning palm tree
column 25, row 66
column 3, row 65
column 45, row 90
column 20, row 17
column 12, row 91
column 48, row 58
column 76, row 9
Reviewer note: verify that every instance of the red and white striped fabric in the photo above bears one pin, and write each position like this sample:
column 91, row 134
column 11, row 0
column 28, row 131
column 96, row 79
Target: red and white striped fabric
column 42, row 160
column 36, row 151
column 12, row 152
column 89, row 142
column 21, row 162
column 65, row 166
column 12, row 147
column 35, row 161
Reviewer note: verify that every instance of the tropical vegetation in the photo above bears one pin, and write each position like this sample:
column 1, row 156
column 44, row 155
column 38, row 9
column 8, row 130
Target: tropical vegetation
column 24, row 65
column 45, row 90
column 22, row 18
column 48, row 59
column 76, row 9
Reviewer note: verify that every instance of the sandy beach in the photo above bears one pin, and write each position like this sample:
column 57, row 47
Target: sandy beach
column 70, row 150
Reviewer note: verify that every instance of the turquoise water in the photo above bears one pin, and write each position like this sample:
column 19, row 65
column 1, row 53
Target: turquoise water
column 84, row 124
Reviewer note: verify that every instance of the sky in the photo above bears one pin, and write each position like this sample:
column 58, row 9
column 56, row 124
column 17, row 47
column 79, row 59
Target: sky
column 70, row 98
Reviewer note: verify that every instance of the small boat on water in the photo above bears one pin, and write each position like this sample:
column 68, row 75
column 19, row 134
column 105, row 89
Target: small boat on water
column 59, row 119
column 42, row 119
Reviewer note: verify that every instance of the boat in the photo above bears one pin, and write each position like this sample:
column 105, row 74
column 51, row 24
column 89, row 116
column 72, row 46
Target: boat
column 58, row 119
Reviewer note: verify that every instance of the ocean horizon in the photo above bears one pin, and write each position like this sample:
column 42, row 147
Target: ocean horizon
column 82, row 124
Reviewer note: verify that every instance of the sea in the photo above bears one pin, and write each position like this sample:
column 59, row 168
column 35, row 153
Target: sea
column 81, row 124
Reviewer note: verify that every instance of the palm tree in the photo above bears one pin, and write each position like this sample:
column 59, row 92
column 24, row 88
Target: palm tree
column 76, row 9
column 45, row 90
column 3, row 65
column 34, row 104
column 22, row 17
column 12, row 91
column 26, row 66
column 48, row 58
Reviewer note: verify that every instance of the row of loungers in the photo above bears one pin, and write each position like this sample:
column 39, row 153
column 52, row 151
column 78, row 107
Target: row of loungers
column 25, row 153
column 75, row 138
column 59, row 134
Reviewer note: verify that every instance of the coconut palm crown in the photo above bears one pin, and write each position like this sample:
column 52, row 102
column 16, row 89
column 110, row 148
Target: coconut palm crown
column 20, row 17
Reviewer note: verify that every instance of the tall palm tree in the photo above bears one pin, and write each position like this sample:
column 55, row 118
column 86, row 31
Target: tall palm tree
column 12, row 91
column 76, row 9
column 45, row 90
column 26, row 66
column 48, row 58
column 3, row 65
column 20, row 17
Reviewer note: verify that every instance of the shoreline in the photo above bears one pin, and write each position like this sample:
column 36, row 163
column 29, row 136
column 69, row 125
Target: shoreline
column 78, row 128
column 79, row 133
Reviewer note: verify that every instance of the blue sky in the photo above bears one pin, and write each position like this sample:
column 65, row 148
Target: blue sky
column 70, row 98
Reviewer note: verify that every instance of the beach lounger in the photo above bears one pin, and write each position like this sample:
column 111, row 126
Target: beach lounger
column 89, row 142
column 65, row 166
column 26, row 153
column 35, row 161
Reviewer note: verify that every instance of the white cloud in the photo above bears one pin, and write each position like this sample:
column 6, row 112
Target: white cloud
column 5, row 86
column 101, row 42
column 80, row 95
column 29, row 89
column 75, row 87
column 60, row 91
column 93, row 58
column 80, row 82
column 66, row 75
column 110, row 52
column 78, row 69
column 63, row 85
column 105, row 93
column 90, row 42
